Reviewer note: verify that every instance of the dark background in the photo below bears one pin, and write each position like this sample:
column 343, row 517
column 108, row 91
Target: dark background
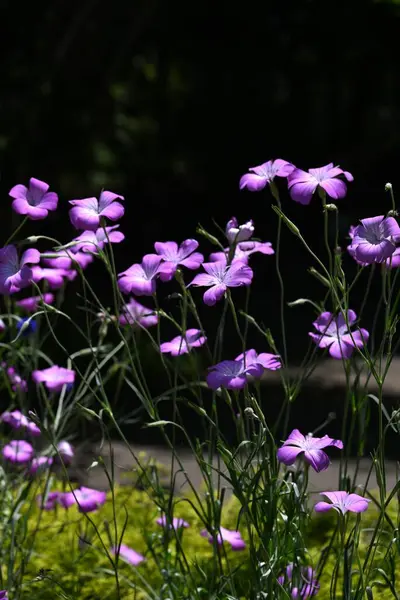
column 169, row 103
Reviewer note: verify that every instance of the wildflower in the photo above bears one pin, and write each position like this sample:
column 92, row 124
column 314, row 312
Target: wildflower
column 66, row 451
column 173, row 256
column 393, row 261
column 305, row 587
column 18, row 451
column 135, row 314
column 54, row 277
column 17, row 420
column 141, row 279
column 242, row 252
column 16, row 273
column 336, row 335
column 312, row 447
column 17, row 383
column 34, row 201
column 375, row 239
column 88, row 500
column 128, row 554
column 234, row 538
column 64, row 259
column 2, row 326
column 3, row 595
column 342, row 502
column 31, row 304
column 50, row 501
column 26, row 326
column 265, row 173
column 182, row 344
column 41, row 463
column 93, row 241
column 87, row 213
column 54, row 378
column 238, row 233
column 177, row 523
column 219, row 277
column 272, row 362
column 302, row 184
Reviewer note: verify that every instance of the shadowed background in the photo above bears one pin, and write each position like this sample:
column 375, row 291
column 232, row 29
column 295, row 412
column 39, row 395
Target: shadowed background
column 169, row 103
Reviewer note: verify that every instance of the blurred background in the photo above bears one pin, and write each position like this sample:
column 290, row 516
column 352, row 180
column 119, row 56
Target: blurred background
column 169, row 103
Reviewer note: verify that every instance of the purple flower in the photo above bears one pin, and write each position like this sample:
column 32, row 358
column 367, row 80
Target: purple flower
column 41, row 463
column 177, row 523
column 312, row 447
column 53, row 277
column 31, row 304
column 393, row 261
column 51, row 500
column 182, row 344
column 93, row 241
column 304, row 587
column 16, row 274
column 128, row 554
column 272, row 362
column 66, row 260
column 173, row 257
column 219, row 277
column 265, row 173
column 35, row 201
column 232, row 374
column 337, row 336
column 375, row 239
column 54, row 378
column 342, row 502
column 141, row 279
column 302, row 185
column 17, row 383
column 238, row 233
column 17, row 420
column 18, row 451
column 233, row 538
column 2, row 326
column 66, row 451
column 3, row 595
column 137, row 315
column 87, row 213
column 88, row 500
column 242, row 252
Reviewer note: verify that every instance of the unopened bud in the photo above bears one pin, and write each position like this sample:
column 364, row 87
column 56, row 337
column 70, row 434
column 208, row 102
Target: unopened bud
column 393, row 213
column 249, row 412
column 388, row 187
column 331, row 207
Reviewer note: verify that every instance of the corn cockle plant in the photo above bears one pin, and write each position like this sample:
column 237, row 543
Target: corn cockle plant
column 266, row 552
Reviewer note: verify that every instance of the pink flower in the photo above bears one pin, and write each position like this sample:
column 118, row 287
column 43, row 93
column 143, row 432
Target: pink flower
column 17, row 420
column 66, row 451
column 16, row 273
column 50, row 501
column 35, row 201
column 265, row 173
column 177, row 523
column 342, row 502
column 18, row 451
column 374, row 240
column 40, row 463
column 234, row 538
column 219, row 277
column 64, row 259
column 30, row 305
column 302, row 185
column 137, row 315
column 54, row 378
column 242, row 252
column 311, row 447
column 54, row 277
column 87, row 499
column 93, row 241
column 141, row 279
column 128, row 554
column 87, row 213
column 182, row 344
column 173, row 257
column 238, row 233
column 335, row 334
